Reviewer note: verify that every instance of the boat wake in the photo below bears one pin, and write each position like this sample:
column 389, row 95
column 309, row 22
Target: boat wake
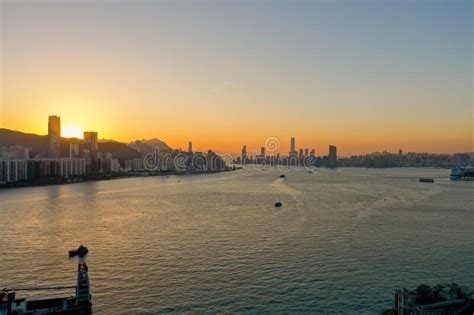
column 281, row 186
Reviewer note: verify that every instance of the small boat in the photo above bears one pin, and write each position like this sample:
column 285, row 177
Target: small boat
column 282, row 176
column 81, row 251
column 278, row 204
column 426, row 180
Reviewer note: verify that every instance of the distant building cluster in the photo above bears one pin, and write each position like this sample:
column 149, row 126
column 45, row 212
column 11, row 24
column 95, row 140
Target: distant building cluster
column 83, row 160
column 16, row 163
column 410, row 159
column 156, row 160
column 301, row 157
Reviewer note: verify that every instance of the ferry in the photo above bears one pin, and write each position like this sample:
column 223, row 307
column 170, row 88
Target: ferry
column 78, row 304
column 459, row 173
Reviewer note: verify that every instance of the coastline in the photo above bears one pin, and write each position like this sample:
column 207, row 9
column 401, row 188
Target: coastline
column 115, row 176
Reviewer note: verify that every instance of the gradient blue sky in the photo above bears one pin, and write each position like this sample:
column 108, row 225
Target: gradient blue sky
column 364, row 75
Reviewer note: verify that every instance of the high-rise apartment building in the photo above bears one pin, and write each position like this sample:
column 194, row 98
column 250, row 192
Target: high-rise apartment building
column 54, row 136
column 91, row 141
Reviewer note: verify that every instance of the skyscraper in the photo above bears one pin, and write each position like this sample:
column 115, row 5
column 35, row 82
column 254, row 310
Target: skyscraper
column 332, row 157
column 293, row 145
column 244, row 154
column 190, row 147
column 91, row 141
column 54, row 136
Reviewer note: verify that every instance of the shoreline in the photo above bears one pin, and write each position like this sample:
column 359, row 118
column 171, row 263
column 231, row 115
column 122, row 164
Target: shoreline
column 64, row 181
column 117, row 176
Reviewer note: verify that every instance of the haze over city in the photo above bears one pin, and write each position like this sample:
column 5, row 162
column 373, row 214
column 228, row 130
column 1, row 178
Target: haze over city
column 365, row 76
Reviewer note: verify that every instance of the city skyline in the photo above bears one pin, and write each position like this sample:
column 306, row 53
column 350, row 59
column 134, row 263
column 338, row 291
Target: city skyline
column 236, row 157
column 285, row 147
column 230, row 74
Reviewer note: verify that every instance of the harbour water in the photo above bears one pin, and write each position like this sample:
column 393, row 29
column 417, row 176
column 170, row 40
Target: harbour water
column 343, row 240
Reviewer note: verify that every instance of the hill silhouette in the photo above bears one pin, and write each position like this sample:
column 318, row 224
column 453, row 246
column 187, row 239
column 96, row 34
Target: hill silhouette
column 39, row 145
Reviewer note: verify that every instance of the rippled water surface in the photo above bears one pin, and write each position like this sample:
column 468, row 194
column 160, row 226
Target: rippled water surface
column 342, row 242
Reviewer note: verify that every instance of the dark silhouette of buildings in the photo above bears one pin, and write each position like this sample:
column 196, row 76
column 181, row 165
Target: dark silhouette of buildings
column 332, row 156
column 54, row 136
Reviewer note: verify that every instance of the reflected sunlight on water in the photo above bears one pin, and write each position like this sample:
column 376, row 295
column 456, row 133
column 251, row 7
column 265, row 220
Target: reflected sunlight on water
column 342, row 242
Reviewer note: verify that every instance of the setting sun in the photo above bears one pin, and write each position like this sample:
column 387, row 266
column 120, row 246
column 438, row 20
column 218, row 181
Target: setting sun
column 71, row 132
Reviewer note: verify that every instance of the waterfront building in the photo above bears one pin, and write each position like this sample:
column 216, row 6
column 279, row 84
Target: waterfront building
column 111, row 165
column 74, row 150
column 199, row 162
column 332, row 156
column 20, row 170
column 15, row 152
column 91, row 141
column 137, row 165
column 293, row 156
column 12, row 170
column 260, row 158
column 54, row 136
column 59, row 168
column 244, row 154
column 214, row 162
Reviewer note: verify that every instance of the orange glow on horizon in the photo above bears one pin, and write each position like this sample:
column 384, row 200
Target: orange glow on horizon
column 230, row 139
column 71, row 132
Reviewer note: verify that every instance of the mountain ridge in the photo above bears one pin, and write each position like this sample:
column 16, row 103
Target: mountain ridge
column 39, row 144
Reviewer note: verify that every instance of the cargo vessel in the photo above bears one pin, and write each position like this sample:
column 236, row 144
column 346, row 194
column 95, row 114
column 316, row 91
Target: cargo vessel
column 80, row 303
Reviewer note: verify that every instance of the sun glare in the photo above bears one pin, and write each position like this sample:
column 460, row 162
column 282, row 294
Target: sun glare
column 71, row 132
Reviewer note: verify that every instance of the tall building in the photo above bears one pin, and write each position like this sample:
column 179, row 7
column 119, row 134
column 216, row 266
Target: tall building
column 74, row 150
column 91, row 141
column 54, row 136
column 244, row 154
column 13, row 170
column 293, row 145
column 262, row 151
column 190, row 147
column 306, row 152
column 332, row 157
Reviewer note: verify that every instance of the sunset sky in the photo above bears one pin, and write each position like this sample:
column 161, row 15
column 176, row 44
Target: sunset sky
column 363, row 75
